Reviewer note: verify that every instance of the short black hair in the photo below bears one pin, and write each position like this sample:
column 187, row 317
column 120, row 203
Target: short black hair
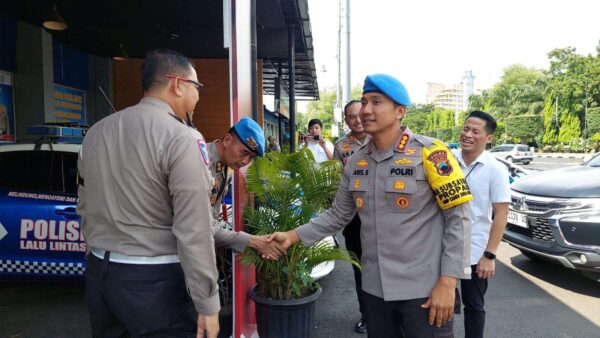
column 348, row 105
column 163, row 61
column 315, row 121
column 490, row 122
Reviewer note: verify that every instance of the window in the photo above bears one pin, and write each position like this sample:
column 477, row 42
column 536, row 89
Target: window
column 65, row 173
column 523, row 148
column 26, row 170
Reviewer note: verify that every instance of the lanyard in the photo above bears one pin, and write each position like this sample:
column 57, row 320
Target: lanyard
column 470, row 171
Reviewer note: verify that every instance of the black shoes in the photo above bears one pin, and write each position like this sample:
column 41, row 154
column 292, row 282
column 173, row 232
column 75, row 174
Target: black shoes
column 361, row 326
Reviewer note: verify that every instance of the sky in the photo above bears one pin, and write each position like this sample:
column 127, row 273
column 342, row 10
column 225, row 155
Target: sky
column 423, row 41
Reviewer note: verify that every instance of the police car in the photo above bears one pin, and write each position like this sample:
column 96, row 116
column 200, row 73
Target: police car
column 40, row 231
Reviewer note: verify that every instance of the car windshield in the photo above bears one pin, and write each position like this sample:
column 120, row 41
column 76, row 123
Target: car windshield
column 594, row 162
column 522, row 148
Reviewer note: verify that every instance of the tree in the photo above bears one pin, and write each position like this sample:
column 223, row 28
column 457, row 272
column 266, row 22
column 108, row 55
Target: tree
column 524, row 127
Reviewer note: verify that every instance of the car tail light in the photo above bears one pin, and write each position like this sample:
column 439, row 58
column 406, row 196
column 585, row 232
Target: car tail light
column 517, row 154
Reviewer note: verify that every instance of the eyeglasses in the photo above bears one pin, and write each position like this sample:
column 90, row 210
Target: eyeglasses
column 352, row 117
column 199, row 86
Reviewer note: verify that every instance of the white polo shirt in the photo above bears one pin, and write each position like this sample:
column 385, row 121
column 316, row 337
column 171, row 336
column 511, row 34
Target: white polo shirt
column 319, row 152
column 488, row 181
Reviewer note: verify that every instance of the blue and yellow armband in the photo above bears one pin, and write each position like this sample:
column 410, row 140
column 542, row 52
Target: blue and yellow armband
column 445, row 176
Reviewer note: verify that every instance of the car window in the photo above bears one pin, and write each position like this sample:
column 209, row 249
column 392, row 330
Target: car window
column 523, row 148
column 595, row 161
column 65, row 173
column 25, row 170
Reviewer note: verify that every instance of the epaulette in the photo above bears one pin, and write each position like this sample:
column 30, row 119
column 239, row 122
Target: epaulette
column 426, row 141
column 341, row 139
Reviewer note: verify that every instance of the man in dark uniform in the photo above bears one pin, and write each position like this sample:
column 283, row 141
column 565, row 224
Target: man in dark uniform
column 411, row 197
column 345, row 147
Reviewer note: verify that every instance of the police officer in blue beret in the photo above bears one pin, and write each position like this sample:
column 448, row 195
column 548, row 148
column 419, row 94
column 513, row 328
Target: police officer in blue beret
column 411, row 197
column 242, row 143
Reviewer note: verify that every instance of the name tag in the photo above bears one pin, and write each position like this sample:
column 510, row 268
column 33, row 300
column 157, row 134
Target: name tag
column 402, row 171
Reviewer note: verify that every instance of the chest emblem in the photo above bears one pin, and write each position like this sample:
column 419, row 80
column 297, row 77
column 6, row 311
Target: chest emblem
column 402, row 202
column 410, row 151
column 403, row 161
column 203, row 151
column 362, row 163
column 360, row 202
column 356, row 184
column 399, row 185
column 439, row 158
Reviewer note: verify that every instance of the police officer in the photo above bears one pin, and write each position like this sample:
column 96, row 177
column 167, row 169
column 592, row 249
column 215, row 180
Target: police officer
column 410, row 194
column 345, row 147
column 242, row 143
column 144, row 203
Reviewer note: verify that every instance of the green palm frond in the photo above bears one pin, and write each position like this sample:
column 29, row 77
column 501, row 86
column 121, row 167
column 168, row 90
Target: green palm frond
column 289, row 190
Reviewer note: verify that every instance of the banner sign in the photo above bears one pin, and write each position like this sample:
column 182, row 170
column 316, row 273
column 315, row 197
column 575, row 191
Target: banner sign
column 69, row 104
column 7, row 112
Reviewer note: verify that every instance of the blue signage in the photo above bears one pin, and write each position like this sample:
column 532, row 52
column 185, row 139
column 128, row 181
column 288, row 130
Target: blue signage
column 69, row 104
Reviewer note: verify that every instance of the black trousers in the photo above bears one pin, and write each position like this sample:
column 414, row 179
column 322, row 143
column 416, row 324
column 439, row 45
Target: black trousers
column 473, row 292
column 352, row 237
column 131, row 300
column 404, row 318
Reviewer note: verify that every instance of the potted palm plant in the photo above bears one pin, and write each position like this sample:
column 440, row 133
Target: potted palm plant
column 289, row 189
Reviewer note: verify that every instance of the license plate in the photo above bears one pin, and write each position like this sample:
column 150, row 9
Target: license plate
column 517, row 219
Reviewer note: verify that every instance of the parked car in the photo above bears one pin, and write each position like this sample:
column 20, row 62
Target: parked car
column 40, row 233
column 514, row 171
column 513, row 153
column 555, row 215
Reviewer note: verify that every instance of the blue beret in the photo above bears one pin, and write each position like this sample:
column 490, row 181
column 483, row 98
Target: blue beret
column 251, row 135
column 388, row 85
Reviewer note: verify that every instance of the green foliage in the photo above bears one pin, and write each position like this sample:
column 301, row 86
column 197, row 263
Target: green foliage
column 323, row 109
column 570, row 128
column 593, row 120
column 524, row 127
column 290, row 189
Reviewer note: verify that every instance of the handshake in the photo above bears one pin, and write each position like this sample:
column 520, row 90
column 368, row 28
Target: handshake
column 274, row 245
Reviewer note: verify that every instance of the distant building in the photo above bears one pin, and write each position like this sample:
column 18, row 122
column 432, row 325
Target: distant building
column 455, row 97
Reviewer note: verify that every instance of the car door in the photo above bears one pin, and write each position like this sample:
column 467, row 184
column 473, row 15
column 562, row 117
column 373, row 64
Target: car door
column 24, row 177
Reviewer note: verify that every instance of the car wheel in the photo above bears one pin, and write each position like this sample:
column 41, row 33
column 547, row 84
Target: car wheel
column 525, row 162
column 530, row 255
column 510, row 159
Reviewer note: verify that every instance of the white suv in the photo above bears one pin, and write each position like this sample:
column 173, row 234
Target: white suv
column 513, row 153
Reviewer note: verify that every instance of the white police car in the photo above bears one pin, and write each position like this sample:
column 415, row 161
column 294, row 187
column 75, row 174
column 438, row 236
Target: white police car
column 40, row 232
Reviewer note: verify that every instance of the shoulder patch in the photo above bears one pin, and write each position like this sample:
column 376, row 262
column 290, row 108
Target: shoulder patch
column 203, row 151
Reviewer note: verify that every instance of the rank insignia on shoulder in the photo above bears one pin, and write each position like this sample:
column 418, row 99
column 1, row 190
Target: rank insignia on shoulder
column 356, row 183
column 440, row 160
column 351, row 139
column 399, row 185
column 402, row 202
column 360, row 203
column 403, row 161
column 362, row 163
column 403, row 141
column 203, row 151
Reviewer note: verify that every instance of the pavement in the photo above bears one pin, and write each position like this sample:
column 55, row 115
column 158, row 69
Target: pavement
column 579, row 156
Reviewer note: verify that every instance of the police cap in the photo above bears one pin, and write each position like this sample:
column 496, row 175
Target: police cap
column 251, row 135
column 387, row 85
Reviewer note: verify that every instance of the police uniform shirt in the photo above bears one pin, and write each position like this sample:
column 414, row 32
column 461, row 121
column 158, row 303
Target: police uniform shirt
column 347, row 145
column 415, row 223
column 489, row 183
column 222, row 177
column 146, row 193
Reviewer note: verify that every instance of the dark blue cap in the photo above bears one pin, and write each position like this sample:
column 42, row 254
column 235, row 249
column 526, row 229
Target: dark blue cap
column 251, row 135
column 388, row 85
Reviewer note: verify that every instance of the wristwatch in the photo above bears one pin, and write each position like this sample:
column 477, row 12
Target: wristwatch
column 489, row 255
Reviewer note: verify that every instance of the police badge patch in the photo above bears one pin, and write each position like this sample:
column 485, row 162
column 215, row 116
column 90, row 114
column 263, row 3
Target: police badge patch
column 203, row 151
column 439, row 158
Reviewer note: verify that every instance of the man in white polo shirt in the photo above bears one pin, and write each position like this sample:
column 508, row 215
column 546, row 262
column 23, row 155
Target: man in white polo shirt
column 488, row 181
